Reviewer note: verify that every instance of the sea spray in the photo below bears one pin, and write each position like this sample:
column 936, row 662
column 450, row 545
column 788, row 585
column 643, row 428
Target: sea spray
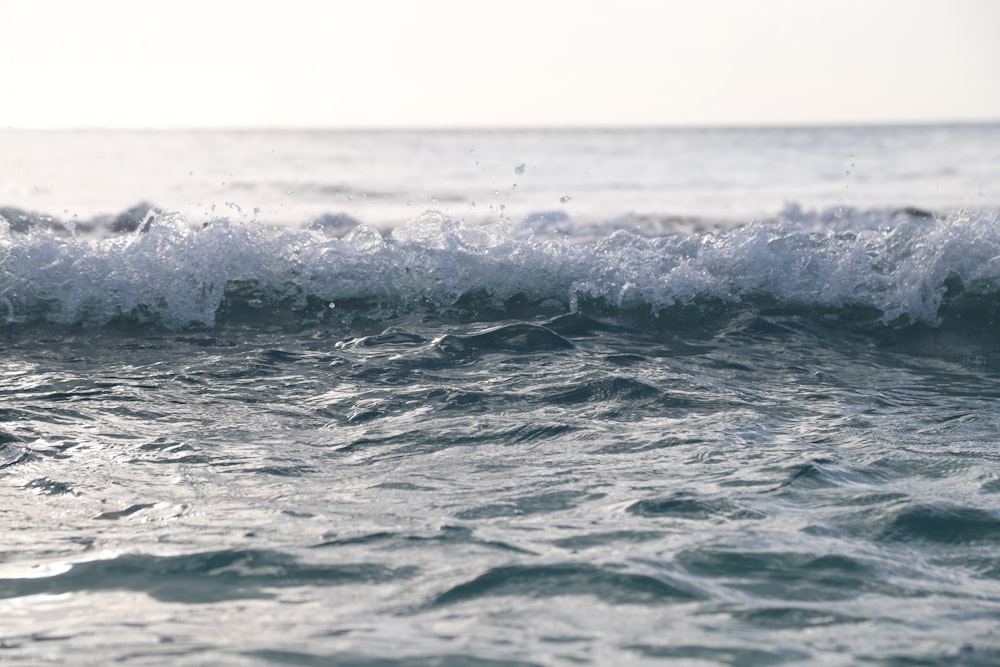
column 177, row 275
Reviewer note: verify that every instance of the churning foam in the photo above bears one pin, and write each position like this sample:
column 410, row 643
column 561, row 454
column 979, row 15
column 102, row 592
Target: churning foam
column 901, row 264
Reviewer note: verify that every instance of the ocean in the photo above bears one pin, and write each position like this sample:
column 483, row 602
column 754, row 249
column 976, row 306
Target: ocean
column 513, row 397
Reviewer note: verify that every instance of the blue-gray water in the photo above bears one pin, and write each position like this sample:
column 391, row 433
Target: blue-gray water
column 525, row 437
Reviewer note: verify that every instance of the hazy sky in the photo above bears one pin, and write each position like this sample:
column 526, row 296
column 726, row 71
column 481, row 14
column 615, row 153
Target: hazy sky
column 445, row 63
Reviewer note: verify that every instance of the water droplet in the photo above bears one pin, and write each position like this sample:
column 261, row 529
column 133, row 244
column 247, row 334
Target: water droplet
column 514, row 187
column 564, row 199
column 472, row 204
column 519, row 169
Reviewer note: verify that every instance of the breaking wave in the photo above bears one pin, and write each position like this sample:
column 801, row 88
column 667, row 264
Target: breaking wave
column 890, row 268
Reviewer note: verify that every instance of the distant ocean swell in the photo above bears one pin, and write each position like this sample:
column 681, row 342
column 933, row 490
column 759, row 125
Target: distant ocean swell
column 886, row 268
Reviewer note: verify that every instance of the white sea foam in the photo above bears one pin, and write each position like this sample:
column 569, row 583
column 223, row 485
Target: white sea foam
column 901, row 264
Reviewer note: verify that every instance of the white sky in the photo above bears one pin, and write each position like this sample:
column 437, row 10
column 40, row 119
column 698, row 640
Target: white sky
column 479, row 63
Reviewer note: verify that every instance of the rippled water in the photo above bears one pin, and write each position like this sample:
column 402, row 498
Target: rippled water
column 762, row 490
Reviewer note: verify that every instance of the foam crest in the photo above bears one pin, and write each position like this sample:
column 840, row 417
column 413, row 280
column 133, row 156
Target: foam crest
column 905, row 266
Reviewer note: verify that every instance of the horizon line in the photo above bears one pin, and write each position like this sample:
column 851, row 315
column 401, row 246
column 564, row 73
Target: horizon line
column 540, row 127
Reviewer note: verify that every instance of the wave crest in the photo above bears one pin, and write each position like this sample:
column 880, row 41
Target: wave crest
column 906, row 267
